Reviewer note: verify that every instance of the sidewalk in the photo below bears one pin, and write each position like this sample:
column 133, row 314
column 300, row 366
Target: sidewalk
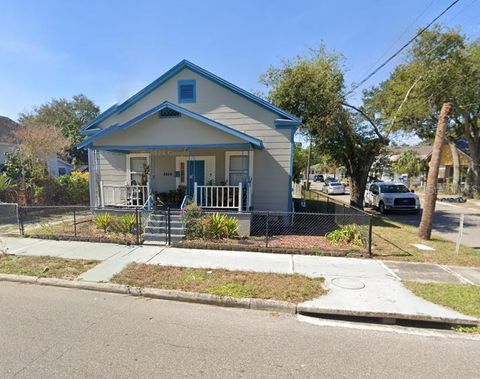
column 356, row 286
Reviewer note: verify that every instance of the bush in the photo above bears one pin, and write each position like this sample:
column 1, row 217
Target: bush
column 194, row 224
column 346, row 234
column 63, row 190
column 219, row 226
column 124, row 224
column 103, row 221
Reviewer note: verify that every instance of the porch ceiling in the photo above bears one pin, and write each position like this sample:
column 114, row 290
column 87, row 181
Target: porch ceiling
column 186, row 131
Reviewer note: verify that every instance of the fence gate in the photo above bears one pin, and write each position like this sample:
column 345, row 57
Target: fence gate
column 9, row 220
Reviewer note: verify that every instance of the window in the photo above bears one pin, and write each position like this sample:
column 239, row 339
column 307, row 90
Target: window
column 62, row 171
column 238, row 170
column 138, row 169
column 187, row 91
column 182, row 172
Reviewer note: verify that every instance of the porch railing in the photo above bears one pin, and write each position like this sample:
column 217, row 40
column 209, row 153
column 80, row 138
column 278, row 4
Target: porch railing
column 123, row 196
column 219, row 197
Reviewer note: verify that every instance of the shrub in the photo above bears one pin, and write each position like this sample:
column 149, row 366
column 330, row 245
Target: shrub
column 345, row 234
column 231, row 227
column 194, row 224
column 124, row 224
column 221, row 226
column 103, row 221
column 63, row 190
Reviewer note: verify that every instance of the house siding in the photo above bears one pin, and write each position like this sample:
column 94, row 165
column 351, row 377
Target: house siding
column 271, row 164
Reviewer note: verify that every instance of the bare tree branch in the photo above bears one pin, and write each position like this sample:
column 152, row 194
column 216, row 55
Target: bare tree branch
column 407, row 95
column 367, row 117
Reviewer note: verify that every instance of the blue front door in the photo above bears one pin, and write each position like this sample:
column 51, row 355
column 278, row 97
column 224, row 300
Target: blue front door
column 196, row 173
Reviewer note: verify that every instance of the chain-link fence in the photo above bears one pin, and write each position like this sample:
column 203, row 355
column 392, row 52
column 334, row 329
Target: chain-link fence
column 9, row 218
column 82, row 223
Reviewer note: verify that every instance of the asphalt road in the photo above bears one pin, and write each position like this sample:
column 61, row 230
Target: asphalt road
column 49, row 332
column 445, row 222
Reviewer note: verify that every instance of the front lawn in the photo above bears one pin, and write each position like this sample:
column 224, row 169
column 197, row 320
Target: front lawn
column 239, row 284
column 393, row 240
column 45, row 267
column 463, row 298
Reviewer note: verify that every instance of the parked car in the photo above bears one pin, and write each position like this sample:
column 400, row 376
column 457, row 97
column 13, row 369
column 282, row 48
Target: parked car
column 334, row 188
column 330, row 179
column 318, row 178
column 391, row 196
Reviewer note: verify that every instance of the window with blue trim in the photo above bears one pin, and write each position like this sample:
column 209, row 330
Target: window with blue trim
column 187, row 91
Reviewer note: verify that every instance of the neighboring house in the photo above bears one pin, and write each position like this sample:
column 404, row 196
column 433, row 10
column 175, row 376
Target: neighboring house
column 446, row 170
column 190, row 129
column 55, row 165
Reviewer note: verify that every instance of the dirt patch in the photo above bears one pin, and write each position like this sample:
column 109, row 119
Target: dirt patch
column 292, row 288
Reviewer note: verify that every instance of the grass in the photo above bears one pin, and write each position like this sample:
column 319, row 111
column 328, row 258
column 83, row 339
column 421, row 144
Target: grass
column 44, row 267
column 238, row 284
column 393, row 240
column 463, row 298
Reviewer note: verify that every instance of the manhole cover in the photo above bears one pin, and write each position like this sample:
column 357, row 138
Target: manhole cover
column 349, row 284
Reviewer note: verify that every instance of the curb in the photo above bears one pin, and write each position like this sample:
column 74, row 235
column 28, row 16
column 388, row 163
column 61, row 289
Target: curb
column 155, row 293
column 304, row 309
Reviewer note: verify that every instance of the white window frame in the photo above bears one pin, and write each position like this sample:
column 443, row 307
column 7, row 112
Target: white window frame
column 229, row 154
column 136, row 155
column 209, row 168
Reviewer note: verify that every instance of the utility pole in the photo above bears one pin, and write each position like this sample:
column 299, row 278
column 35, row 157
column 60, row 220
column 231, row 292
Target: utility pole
column 308, row 161
column 425, row 229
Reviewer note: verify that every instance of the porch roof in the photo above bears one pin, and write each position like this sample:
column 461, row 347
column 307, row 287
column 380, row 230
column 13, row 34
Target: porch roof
column 255, row 142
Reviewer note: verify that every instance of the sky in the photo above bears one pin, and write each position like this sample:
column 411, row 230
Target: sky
column 108, row 50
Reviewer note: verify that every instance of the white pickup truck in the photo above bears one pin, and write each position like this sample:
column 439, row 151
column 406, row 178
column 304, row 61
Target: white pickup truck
column 391, row 196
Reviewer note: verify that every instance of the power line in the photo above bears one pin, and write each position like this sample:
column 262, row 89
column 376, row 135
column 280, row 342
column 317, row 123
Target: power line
column 398, row 39
column 419, row 33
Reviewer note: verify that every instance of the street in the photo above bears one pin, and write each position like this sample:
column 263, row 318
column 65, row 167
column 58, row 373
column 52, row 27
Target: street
column 55, row 332
column 445, row 222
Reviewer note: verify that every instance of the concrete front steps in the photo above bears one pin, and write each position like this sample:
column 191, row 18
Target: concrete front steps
column 156, row 227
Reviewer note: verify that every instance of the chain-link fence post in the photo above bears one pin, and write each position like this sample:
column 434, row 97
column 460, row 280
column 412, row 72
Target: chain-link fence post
column 266, row 229
column 137, row 227
column 169, row 226
column 74, row 223
column 21, row 228
column 370, row 227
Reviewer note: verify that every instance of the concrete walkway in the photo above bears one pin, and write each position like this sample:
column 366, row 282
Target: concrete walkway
column 356, row 286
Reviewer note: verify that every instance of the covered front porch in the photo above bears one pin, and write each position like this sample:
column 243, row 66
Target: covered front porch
column 213, row 177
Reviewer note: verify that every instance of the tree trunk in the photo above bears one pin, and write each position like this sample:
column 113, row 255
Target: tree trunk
column 456, row 167
column 425, row 229
column 358, row 183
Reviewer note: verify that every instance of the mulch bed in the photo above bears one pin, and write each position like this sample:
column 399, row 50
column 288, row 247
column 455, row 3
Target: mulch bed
column 289, row 244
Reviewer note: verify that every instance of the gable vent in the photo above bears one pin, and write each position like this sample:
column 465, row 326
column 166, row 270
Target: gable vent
column 167, row 112
column 187, row 91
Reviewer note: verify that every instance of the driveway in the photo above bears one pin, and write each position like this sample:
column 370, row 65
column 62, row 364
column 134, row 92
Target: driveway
column 445, row 222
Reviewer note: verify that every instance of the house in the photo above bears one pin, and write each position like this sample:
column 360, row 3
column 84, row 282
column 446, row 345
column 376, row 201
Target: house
column 8, row 143
column 194, row 132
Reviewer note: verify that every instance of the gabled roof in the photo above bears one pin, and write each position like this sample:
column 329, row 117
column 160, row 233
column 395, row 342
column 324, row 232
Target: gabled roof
column 167, row 105
column 118, row 108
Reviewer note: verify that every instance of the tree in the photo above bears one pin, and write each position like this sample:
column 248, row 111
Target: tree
column 312, row 87
column 27, row 166
column 446, row 68
column 408, row 163
column 300, row 157
column 425, row 228
column 68, row 116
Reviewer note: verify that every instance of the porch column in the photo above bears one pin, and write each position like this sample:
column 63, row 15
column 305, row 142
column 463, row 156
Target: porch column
column 250, row 178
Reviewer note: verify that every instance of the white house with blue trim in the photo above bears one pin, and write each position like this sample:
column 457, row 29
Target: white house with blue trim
column 228, row 148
